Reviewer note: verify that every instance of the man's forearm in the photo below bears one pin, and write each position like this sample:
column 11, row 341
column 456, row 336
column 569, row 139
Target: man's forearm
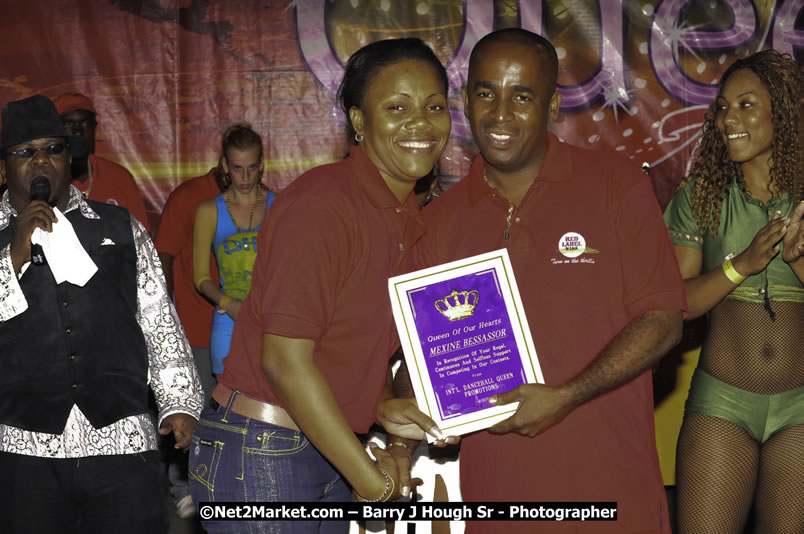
column 174, row 378
column 638, row 346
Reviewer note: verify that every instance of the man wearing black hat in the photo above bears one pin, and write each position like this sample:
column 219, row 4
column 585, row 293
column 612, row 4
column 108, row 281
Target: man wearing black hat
column 82, row 334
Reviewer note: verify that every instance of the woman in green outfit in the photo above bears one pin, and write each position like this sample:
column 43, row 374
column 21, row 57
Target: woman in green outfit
column 736, row 223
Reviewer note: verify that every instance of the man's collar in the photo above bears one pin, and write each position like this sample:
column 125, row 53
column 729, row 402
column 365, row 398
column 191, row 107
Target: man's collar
column 557, row 167
column 76, row 201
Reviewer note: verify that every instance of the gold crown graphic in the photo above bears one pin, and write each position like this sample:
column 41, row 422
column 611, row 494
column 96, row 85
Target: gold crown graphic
column 458, row 310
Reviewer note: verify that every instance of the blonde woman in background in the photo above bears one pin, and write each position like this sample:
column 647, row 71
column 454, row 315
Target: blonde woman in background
column 228, row 224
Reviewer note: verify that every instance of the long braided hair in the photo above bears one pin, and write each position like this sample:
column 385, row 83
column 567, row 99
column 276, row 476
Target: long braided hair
column 713, row 168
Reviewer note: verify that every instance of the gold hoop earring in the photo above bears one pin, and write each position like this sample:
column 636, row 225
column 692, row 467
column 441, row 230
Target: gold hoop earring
column 359, row 137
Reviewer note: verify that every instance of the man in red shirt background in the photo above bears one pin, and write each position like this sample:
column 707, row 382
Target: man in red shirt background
column 98, row 178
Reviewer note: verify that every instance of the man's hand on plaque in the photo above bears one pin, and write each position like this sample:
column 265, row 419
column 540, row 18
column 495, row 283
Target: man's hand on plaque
column 401, row 417
column 540, row 407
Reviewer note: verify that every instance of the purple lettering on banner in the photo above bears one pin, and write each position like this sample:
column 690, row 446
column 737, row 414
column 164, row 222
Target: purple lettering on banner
column 667, row 33
column 318, row 55
column 478, row 21
column 609, row 80
column 469, row 357
column 531, row 16
column 316, row 50
column 311, row 28
column 785, row 35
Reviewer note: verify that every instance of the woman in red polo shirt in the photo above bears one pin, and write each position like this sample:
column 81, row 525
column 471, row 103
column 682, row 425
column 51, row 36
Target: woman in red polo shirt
column 310, row 349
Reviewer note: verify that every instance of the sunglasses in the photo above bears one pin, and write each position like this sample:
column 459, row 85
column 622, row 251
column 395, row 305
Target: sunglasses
column 29, row 152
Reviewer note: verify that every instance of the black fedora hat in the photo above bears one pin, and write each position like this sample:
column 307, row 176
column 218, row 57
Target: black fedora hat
column 32, row 118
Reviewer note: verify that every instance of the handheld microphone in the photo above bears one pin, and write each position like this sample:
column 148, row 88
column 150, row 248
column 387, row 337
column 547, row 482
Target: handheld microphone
column 40, row 190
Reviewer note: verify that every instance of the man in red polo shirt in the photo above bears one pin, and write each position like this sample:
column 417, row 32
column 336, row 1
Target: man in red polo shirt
column 601, row 289
column 98, row 178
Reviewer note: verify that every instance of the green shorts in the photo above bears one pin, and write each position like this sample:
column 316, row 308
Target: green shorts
column 760, row 415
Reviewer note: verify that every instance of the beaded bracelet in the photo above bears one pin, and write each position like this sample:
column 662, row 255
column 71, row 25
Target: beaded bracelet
column 731, row 273
column 386, row 494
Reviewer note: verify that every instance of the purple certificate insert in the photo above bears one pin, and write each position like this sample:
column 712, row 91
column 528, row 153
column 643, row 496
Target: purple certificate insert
column 467, row 340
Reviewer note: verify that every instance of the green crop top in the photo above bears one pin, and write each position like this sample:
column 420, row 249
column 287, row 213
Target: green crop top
column 741, row 217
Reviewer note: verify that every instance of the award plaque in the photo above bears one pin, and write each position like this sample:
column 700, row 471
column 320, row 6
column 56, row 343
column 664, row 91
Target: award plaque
column 465, row 337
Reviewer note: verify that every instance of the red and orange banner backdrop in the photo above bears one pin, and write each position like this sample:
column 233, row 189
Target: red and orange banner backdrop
column 168, row 76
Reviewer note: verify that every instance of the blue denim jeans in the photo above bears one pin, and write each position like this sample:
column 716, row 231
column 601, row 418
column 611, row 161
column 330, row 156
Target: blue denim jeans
column 237, row 459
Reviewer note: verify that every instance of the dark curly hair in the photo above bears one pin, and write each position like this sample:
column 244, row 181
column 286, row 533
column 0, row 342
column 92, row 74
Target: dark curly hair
column 713, row 168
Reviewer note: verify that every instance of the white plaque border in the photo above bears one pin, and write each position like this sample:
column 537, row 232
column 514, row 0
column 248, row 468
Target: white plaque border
column 399, row 287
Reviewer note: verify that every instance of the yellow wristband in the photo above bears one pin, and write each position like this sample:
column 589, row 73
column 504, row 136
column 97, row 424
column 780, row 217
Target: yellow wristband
column 222, row 304
column 731, row 273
